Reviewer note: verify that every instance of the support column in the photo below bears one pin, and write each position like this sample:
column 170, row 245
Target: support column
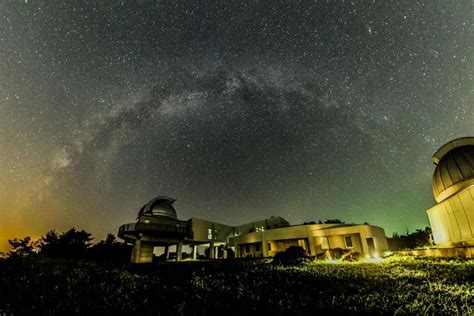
column 179, row 250
column 264, row 248
column 365, row 245
column 195, row 248
column 136, row 251
column 264, row 245
column 211, row 251
column 311, row 246
column 166, row 253
column 142, row 252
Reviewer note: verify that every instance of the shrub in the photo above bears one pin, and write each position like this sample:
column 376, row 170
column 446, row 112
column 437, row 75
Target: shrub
column 339, row 254
column 291, row 256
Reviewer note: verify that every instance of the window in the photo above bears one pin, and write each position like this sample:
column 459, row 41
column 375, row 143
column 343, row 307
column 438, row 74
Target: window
column 269, row 246
column 247, row 248
column 324, row 242
column 348, row 241
column 209, row 233
column 257, row 247
column 371, row 244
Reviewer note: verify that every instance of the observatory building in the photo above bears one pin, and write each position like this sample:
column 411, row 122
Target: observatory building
column 452, row 218
column 157, row 225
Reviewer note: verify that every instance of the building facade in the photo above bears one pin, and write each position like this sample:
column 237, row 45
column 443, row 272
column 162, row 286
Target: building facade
column 368, row 240
column 452, row 218
column 157, row 225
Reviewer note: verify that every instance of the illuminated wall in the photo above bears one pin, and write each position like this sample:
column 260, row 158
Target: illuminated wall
column 314, row 238
column 452, row 220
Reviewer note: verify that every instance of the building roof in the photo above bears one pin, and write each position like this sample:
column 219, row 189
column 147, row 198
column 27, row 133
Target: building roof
column 160, row 206
column 455, row 143
column 454, row 168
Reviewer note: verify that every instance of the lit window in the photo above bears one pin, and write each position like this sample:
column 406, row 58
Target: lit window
column 348, row 241
column 209, row 233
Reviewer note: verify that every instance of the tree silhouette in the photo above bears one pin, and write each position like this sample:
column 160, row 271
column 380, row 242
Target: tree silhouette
column 70, row 244
column 110, row 250
column 21, row 247
column 417, row 239
column 49, row 244
column 110, row 239
column 334, row 221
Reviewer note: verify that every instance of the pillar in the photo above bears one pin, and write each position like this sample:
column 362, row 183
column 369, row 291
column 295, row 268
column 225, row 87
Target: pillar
column 142, row 252
column 311, row 246
column 264, row 245
column 179, row 250
column 264, row 248
column 211, row 251
column 166, row 253
column 365, row 245
column 195, row 248
column 136, row 251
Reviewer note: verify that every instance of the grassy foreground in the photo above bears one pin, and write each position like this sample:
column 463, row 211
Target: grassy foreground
column 396, row 286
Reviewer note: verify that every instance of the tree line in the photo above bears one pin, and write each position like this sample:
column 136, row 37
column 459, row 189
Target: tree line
column 418, row 239
column 71, row 244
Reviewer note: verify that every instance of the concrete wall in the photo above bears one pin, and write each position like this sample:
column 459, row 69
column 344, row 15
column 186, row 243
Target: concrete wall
column 200, row 228
column 265, row 224
column 282, row 245
column 310, row 238
column 359, row 234
column 251, row 250
column 337, row 241
column 465, row 252
column 142, row 252
column 452, row 221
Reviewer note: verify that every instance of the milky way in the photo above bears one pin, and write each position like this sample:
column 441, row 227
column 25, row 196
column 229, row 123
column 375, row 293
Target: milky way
column 308, row 110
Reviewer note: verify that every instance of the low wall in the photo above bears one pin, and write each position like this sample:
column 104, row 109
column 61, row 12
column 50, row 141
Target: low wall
column 465, row 252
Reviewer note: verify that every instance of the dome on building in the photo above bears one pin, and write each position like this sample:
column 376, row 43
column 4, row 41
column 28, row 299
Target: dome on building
column 161, row 207
column 454, row 168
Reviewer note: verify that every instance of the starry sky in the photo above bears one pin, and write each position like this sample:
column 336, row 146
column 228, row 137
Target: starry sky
column 239, row 109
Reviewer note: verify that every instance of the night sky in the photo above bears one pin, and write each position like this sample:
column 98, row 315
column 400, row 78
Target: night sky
column 308, row 110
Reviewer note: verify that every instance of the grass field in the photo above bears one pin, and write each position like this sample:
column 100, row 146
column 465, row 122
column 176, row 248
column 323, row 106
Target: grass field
column 396, row 286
